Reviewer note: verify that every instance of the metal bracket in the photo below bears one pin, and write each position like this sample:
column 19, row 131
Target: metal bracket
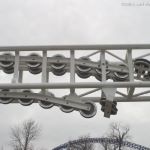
column 109, row 94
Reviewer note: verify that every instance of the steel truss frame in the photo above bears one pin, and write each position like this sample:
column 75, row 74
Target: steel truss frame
column 77, row 143
column 78, row 102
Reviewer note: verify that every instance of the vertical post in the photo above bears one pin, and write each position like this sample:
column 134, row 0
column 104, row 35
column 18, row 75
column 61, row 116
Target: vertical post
column 72, row 70
column 45, row 73
column 103, row 68
column 20, row 76
column 103, row 65
column 131, row 71
column 109, row 93
column 130, row 65
column 16, row 68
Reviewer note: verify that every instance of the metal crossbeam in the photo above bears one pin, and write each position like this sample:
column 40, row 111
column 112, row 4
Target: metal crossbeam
column 76, row 47
column 74, row 85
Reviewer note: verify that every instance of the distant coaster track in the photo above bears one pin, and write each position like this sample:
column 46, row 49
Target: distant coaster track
column 77, row 143
column 126, row 72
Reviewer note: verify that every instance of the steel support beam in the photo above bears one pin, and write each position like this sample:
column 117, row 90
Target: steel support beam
column 76, row 47
column 74, row 85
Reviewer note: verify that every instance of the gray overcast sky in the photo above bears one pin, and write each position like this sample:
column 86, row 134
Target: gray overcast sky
column 32, row 22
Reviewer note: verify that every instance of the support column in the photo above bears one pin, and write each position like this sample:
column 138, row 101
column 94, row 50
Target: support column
column 45, row 73
column 108, row 93
column 72, row 70
column 130, row 90
column 16, row 68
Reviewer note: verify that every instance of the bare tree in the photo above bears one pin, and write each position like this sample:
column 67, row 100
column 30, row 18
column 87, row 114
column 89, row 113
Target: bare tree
column 106, row 145
column 22, row 136
column 120, row 133
column 82, row 145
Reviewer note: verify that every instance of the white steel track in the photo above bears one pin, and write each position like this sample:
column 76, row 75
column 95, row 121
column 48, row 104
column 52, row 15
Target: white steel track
column 127, row 72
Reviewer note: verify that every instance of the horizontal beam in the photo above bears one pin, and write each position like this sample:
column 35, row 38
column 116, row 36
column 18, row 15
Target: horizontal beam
column 76, row 47
column 74, row 85
column 97, row 100
column 119, row 99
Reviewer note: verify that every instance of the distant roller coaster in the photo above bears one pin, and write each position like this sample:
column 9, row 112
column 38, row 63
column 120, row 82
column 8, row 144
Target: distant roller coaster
column 130, row 71
column 76, row 144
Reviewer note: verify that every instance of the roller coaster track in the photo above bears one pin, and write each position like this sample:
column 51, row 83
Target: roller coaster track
column 130, row 71
column 74, row 143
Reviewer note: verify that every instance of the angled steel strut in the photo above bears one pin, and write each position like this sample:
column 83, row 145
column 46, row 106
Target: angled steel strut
column 117, row 72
